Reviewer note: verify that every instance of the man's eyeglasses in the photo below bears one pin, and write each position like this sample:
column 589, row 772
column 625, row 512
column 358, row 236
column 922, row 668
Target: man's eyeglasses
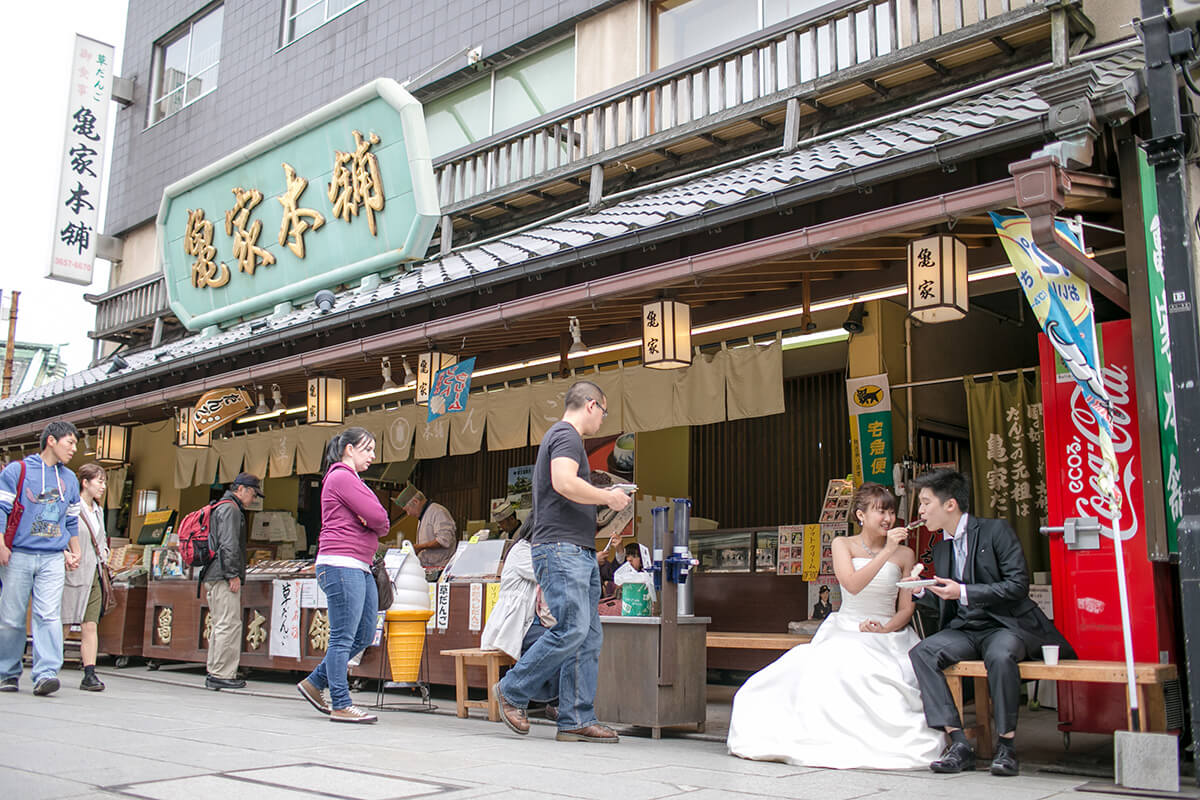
column 603, row 410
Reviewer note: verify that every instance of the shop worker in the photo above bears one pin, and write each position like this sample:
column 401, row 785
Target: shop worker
column 223, row 577
column 505, row 518
column 984, row 612
column 437, row 536
column 564, row 562
column 33, row 563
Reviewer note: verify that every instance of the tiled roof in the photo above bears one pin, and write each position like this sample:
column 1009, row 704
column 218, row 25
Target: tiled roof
column 867, row 145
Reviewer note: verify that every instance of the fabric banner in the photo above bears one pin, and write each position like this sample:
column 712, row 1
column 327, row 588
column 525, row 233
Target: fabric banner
column 546, row 406
column 1163, row 372
column 255, row 450
column 281, row 452
column 451, row 389
column 466, row 428
column 611, row 382
column 754, row 387
column 508, row 418
column 1005, row 422
column 310, row 447
column 432, row 438
column 700, row 389
column 648, row 399
column 230, row 453
column 870, row 404
column 397, row 435
column 1062, row 303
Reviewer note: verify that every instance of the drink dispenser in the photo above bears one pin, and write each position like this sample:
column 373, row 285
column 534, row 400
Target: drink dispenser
column 681, row 561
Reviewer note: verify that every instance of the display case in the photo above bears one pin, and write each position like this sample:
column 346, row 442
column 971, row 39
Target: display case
column 735, row 549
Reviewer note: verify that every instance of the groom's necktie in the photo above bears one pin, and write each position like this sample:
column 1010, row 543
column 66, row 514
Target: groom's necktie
column 960, row 556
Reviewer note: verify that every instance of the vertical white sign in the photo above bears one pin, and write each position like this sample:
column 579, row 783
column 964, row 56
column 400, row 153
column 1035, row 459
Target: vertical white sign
column 285, row 619
column 475, row 611
column 84, row 146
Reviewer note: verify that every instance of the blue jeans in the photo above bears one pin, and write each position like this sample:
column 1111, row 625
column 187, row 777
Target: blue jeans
column 570, row 651
column 40, row 575
column 353, row 606
column 548, row 693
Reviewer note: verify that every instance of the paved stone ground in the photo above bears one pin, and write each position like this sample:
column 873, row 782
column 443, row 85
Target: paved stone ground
column 161, row 735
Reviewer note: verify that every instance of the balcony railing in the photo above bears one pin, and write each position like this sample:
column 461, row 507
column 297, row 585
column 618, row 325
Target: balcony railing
column 124, row 312
column 797, row 60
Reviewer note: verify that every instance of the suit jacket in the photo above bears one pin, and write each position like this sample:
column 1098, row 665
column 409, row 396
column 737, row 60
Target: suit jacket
column 997, row 583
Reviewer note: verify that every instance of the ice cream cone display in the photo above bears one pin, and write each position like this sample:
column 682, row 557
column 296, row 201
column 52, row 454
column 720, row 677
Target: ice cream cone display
column 407, row 617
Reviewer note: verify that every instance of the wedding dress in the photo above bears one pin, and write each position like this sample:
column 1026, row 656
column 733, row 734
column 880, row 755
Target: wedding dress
column 846, row 700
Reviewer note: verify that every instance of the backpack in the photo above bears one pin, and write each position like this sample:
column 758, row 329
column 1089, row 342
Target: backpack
column 194, row 547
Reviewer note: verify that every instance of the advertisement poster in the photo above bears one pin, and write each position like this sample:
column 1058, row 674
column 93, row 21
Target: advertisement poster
column 611, row 461
column 870, row 405
column 285, row 619
column 790, row 560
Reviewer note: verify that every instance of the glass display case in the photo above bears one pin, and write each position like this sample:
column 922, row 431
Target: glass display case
column 735, row 549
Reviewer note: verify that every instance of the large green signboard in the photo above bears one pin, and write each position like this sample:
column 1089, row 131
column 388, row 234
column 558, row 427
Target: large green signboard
column 341, row 193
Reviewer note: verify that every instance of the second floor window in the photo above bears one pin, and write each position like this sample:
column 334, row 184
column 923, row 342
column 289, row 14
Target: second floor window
column 302, row 17
column 185, row 66
column 518, row 92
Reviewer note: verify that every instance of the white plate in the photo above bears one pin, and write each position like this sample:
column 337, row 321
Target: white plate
column 917, row 584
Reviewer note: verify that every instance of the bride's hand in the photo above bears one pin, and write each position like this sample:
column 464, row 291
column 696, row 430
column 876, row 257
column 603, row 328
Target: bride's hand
column 895, row 538
column 870, row 626
column 916, row 572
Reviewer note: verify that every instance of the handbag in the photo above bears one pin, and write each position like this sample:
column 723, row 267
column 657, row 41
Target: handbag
column 108, row 597
column 383, row 582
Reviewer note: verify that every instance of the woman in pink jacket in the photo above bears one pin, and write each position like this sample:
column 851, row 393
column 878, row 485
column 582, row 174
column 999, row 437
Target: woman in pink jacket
column 352, row 522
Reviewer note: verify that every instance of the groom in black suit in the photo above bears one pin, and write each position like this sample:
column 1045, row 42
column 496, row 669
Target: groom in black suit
column 984, row 611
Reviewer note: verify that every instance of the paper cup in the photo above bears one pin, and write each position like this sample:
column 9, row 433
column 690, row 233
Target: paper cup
column 1050, row 654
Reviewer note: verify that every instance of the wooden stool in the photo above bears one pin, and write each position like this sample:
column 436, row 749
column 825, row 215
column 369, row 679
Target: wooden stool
column 492, row 661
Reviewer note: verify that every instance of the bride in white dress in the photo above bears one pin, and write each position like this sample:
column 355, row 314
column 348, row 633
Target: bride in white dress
column 849, row 698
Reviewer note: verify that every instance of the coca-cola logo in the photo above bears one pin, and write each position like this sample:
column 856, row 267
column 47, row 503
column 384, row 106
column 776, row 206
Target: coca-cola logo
column 1084, row 458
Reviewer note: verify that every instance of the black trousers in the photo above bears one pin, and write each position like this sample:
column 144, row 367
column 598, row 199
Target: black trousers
column 1001, row 651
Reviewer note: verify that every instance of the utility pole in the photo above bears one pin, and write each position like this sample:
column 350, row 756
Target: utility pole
column 1164, row 43
column 6, row 386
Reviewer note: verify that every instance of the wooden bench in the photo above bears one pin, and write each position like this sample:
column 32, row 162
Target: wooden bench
column 492, row 661
column 755, row 641
column 1149, row 678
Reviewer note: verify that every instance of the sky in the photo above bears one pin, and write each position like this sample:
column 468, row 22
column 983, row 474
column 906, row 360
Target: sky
column 49, row 312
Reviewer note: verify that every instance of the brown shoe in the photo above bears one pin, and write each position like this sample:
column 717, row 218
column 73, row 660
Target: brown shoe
column 314, row 696
column 352, row 714
column 512, row 716
column 598, row 733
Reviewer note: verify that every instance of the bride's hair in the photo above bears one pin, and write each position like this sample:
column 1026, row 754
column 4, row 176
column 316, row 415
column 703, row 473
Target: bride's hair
column 872, row 495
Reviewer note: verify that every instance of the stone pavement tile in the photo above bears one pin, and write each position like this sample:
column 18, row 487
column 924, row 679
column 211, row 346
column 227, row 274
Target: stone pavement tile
column 444, row 764
column 562, row 779
column 230, row 736
column 19, row 783
column 705, row 755
column 205, row 787
column 108, row 769
column 363, row 783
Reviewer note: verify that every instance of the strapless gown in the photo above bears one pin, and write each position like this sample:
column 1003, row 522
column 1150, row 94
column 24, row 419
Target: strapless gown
column 846, row 700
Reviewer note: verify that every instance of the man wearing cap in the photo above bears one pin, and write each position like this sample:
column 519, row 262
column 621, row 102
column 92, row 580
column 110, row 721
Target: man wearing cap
column 505, row 518
column 437, row 536
column 223, row 577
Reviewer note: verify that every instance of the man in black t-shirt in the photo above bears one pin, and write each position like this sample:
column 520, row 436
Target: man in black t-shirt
column 564, row 562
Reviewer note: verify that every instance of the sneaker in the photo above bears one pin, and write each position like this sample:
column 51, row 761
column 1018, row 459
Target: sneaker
column 352, row 714
column 314, row 696
column 91, row 683
column 45, row 687
column 10, row 685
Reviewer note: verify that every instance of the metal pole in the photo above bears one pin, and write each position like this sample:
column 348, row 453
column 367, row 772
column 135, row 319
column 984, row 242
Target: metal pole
column 1165, row 150
column 6, row 385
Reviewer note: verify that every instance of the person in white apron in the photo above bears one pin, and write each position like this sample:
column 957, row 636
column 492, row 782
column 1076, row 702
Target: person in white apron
column 82, row 601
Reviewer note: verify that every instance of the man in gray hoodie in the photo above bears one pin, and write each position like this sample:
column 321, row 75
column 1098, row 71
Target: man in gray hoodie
column 223, row 578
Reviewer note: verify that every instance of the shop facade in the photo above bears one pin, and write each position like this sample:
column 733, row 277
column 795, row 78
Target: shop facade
column 800, row 214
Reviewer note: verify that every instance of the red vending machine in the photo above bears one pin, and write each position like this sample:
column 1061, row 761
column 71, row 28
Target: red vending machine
column 1086, row 606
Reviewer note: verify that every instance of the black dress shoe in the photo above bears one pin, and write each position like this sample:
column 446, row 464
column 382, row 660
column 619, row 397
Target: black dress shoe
column 957, row 758
column 216, row 684
column 1005, row 763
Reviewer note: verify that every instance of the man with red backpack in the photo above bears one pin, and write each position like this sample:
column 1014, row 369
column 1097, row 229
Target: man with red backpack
column 223, row 577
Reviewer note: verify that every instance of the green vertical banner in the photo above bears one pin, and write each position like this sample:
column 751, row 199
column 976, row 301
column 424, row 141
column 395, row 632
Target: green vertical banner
column 1163, row 374
column 1007, row 462
column 870, row 404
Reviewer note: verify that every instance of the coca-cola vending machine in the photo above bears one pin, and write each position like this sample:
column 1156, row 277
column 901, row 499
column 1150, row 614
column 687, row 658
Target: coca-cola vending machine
column 1086, row 606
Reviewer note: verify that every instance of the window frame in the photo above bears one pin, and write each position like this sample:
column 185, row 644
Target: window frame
column 158, row 65
column 290, row 14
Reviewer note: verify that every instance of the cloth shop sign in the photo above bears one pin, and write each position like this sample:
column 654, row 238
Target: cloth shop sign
column 451, row 389
column 339, row 194
column 78, row 200
column 870, row 428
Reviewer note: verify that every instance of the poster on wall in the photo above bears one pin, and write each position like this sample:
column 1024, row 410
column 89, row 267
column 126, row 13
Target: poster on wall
column 610, row 459
column 870, row 404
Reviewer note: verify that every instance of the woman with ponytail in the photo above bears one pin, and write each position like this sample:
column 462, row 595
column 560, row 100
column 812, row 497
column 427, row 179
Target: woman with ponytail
column 352, row 523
